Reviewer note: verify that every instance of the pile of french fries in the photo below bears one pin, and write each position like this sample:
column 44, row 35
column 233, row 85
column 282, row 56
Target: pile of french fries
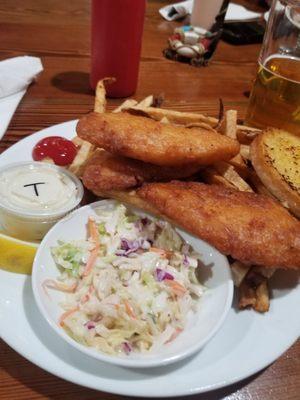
column 251, row 281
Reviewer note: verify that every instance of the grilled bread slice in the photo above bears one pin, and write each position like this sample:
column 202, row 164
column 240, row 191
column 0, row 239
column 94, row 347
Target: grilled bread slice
column 275, row 156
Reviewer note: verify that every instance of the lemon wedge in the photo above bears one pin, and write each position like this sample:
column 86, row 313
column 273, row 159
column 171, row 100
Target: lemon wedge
column 16, row 255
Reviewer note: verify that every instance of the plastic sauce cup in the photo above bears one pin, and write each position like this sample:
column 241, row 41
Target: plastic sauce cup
column 34, row 196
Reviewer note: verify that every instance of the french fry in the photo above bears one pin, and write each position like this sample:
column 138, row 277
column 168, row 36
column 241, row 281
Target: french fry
column 211, row 176
column 125, row 105
column 229, row 125
column 239, row 164
column 175, row 117
column 77, row 141
column 184, row 118
column 230, row 174
column 200, row 125
column 245, row 152
column 86, row 149
column 262, row 291
column 165, row 120
column 100, row 99
column 254, row 292
column 262, row 304
column 100, row 96
column 247, row 295
column 246, row 134
column 146, row 102
column 239, row 272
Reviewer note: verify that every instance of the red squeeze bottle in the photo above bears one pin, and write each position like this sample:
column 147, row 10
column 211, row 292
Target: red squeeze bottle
column 117, row 28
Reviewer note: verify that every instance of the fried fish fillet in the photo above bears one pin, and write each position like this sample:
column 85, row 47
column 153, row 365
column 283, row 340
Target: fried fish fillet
column 154, row 142
column 106, row 171
column 251, row 228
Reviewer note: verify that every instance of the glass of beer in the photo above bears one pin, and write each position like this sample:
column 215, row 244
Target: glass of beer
column 275, row 96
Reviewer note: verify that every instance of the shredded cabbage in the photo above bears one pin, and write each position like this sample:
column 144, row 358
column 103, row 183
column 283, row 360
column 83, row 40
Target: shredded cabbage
column 134, row 291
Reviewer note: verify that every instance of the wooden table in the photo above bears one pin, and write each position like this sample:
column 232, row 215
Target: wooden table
column 58, row 32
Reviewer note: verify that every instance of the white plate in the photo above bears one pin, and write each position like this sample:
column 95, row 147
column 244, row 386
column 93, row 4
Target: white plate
column 247, row 342
column 214, row 304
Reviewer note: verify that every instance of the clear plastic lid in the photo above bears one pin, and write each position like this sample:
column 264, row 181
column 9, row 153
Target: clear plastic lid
column 38, row 189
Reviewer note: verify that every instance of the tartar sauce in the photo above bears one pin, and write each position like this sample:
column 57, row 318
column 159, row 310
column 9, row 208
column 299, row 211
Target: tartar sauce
column 34, row 196
column 36, row 189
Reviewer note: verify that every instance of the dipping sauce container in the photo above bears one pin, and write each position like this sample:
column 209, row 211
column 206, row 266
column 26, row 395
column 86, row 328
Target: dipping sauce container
column 34, row 196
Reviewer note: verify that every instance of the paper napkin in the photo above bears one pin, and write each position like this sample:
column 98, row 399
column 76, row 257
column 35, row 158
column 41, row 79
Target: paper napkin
column 235, row 12
column 15, row 76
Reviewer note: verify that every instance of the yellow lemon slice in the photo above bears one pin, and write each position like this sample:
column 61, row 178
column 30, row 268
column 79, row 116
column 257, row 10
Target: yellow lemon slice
column 16, row 255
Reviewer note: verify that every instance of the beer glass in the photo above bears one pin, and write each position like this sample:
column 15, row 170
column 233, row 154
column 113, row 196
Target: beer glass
column 275, row 96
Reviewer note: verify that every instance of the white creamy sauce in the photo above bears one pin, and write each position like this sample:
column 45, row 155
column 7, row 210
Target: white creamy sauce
column 35, row 189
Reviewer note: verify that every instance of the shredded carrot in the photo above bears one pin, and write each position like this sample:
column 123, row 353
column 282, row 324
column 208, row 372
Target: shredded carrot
column 52, row 284
column 91, row 262
column 174, row 335
column 93, row 231
column 161, row 252
column 84, row 298
column 66, row 315
column 91, row 289
column 129, row 309
column 94, row 236
column 87, row 296
column 176, row 287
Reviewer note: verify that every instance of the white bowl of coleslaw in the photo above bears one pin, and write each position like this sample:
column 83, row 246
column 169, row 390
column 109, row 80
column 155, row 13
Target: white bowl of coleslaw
column 127, row 288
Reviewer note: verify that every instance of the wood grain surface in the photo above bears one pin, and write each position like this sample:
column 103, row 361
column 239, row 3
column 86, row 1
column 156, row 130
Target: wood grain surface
column 58, row 32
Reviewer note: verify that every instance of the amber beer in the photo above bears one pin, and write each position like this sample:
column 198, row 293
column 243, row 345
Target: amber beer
column 275, row 96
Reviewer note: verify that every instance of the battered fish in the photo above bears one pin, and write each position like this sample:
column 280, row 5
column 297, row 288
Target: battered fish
column 251, row 228
column 105, row 171
column 154, row 142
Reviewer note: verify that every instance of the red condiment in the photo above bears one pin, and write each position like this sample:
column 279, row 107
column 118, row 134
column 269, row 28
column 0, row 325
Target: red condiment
column 117, row 27
column 61, row 150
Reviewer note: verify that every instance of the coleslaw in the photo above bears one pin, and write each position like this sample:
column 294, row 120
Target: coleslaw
column 131, row 286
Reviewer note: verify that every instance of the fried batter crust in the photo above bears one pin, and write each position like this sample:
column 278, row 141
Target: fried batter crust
column 154, row 142
column 105, row 171
column 251, row 228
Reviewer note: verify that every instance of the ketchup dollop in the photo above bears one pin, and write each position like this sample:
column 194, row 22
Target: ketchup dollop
column 61, row 150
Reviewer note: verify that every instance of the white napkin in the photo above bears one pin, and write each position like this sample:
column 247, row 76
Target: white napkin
column 15, row 76
column 235, row 12
column 177, row 10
